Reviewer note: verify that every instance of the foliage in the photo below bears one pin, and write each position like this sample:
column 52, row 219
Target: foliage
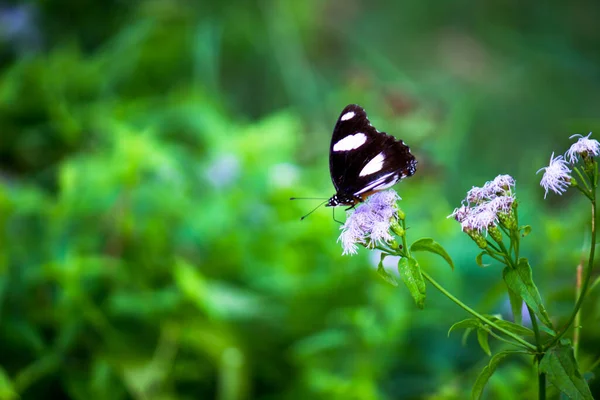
column 148, row 150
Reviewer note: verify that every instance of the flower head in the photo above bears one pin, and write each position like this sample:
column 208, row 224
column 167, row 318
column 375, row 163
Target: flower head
column 501, row 185
column 584, row 147
column 556, row 175
column 480, row 218
column 370, row 222
column 483, row 206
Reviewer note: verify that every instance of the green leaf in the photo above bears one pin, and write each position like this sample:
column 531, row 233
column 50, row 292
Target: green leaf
column 479, row 259
column 384, row 274
column 561, row 368
column 487, row 372
column 430, row 245
column 516, row 305
column 549, row 331
column 465, row 324
column 410, row 272
column 482, row 337
column 7, row 390
column 520, row 282
column 465, row 336
column 525, row 230
column 515, row 328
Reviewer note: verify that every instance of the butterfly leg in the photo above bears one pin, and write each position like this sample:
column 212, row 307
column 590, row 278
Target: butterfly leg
column 339, row 222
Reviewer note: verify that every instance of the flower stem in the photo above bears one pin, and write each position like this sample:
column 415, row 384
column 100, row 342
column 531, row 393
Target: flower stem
column 476, row 314
column 577, row 327
column 586, row 280
column 541, row 385
column 538, row 357
column 583, row 180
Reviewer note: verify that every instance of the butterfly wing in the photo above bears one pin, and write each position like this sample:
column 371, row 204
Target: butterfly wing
column 363, row 160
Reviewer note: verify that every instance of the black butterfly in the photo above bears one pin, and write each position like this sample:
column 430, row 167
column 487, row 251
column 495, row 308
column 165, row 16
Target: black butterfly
column 363, row 160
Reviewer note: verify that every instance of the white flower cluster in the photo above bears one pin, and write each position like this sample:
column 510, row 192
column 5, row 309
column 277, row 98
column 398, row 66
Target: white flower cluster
column 557, row 175
column 370, row 222
column 583, row 147
column 481, row 207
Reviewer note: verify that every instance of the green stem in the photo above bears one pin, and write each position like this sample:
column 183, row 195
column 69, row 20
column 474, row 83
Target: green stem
column 536, row 329
column 538, row 357
column 494, row 334
column 582, row 179
column 577, row 327
column 495, row 254
column 541, row 384
column 476, row 314
column 493, row 246
column 594, row 365
column 509, row 260
column 517, row 233
column 586, row 281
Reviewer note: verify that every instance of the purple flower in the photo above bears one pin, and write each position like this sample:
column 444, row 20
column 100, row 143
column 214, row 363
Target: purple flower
column 481, row 207
column 556, row 175
column 370, row 223
column 583, row 147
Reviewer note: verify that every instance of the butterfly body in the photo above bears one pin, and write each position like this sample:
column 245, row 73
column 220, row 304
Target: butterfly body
column 363, row 160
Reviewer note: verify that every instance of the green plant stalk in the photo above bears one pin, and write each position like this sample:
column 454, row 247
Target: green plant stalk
column 586, row 281
column 577, row 327
column 538, row 357
column 494, row 334
column 476, row 314
column 406, row 253
column 583, row 181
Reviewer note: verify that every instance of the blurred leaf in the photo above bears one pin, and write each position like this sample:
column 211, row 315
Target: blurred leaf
column 479, row 259
column 7, row 391
column 473, row 323
column 549, row 331
column 487, row 372
column 563, row 372
column 191, row 282
column 465, row 336
column 520, row 282
column 482, row 338
column 525, row 230
column 428, row 244
column 410, row 272
column 515, row 328
column 384, row 274
column 516, row 305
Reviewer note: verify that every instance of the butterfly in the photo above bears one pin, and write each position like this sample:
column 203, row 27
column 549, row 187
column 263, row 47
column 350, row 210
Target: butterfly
column 363, row 160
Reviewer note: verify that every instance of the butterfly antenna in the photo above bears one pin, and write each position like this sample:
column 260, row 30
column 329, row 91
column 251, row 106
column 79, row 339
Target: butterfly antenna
column 313, row 210
column 308, row 198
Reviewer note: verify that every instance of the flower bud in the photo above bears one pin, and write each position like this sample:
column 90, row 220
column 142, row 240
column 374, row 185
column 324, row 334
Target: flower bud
column 495, row 233
column 478, row 238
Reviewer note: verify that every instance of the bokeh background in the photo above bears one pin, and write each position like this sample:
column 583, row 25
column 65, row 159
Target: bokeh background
column 148, row 150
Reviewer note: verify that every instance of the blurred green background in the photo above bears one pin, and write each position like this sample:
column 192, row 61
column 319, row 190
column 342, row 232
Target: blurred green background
column 148, row 150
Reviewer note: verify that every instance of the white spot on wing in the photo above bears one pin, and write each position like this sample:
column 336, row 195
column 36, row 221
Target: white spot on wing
column 347, row 116
column 350, row 142
column 387, row 185
column 373, row 166
column 377, row 184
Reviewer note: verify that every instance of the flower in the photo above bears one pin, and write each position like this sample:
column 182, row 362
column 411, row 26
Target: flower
column 501, row 185
column 480, row 218
column 370, row 222
column 556, row 175
column 583, row 147
column 485, row 206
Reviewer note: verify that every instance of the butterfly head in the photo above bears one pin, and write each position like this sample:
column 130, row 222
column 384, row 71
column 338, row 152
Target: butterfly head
column 342, row 200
